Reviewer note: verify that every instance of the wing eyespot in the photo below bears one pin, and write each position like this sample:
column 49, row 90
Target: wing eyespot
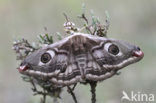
column 112, row 48
column 47, row 56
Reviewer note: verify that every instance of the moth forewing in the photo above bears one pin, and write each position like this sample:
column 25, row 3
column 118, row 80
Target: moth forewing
column 80, row 57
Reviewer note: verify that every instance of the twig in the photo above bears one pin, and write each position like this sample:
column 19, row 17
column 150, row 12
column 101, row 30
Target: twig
column 93, row 85
column 70, row 90
column 84, row 18
column 66, row 17
column 36, row 92
column 44, row 97
column 43, row 100
column 74, row 87
column 22, row 48
column 87, row 26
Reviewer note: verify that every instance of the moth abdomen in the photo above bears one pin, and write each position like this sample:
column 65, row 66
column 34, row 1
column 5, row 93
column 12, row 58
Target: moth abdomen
column 81, row 61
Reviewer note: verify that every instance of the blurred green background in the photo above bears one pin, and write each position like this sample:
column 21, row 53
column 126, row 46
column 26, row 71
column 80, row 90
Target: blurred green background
column 131, row 20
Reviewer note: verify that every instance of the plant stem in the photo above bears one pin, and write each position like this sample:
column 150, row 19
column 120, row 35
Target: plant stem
column 70, row 90
column 93, row 85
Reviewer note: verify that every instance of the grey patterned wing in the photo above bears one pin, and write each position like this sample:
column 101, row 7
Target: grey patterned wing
column 70, row 74
column 96, row 69
column 81, row 57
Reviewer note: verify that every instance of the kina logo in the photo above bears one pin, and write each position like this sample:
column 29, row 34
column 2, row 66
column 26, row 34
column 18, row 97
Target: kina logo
column 137, row 97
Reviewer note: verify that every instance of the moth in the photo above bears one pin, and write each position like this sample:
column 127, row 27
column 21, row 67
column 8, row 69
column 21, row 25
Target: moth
column 80, row 57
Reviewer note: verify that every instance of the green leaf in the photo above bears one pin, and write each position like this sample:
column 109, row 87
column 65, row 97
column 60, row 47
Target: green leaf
column 59, row 37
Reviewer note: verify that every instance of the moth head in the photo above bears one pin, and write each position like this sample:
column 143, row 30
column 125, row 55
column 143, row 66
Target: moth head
column 38, row 61
column 118, row 54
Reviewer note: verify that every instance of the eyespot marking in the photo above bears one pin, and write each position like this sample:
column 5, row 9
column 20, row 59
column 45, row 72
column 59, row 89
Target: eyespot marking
column 112, row 49
column 46, row 57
